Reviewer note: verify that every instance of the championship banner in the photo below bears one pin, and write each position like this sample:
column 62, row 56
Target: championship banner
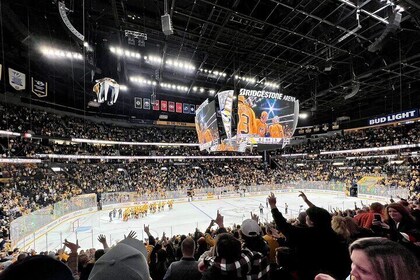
column 1, row 71
column 17, row 79
column 156, row 105
column 164, row 105
column 186, row 108
column 179, row 107
column 192, row 109
column 171, row 106
column 146, row 103
column 39, row 88
column 137, row 102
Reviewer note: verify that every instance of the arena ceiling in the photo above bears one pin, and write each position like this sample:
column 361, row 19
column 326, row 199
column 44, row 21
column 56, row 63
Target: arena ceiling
column 339, row 57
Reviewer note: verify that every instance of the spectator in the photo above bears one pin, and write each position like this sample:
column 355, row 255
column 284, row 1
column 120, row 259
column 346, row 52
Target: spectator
column 380, row 259
column 187, row 267
column 348, row 229
column 127, row 260
column 318, row 237
column 365, row 220
column 37, row 268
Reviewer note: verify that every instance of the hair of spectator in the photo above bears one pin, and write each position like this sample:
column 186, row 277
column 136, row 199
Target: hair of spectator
column 389, row 259
column 228, row 247
column 376, row 207
column 188, row 247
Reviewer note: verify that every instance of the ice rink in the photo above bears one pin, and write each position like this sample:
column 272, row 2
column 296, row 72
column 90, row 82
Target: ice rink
column 184, row 218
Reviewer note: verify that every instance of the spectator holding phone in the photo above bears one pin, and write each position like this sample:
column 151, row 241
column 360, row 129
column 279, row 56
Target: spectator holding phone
column 378, row 258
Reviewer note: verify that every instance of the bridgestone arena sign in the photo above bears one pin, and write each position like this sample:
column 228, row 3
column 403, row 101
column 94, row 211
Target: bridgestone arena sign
column 266, row 94
column 395, row 117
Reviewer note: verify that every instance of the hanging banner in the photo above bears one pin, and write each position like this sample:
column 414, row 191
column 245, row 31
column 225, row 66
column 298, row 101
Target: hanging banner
column 146, row 103
column 1, row 72
column 17, row 79
column 186, row 108
column 156, row 105
column 171, row 106
column 164, row 105
column 138, row 102
column 192, row 109
column 39, row 88
column 179, row 107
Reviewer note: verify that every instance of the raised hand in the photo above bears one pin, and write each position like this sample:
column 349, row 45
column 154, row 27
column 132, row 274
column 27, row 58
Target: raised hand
column 131, row 234
column 72, row 246
column 272, row 200
column 102, row 238
column 219, row 219
column 255, row 217
column 146, row 229
column 303, row 195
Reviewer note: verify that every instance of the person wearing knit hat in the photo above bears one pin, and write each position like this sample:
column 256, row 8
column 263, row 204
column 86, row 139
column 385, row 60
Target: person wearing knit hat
column 127, row 260
column 37, row 268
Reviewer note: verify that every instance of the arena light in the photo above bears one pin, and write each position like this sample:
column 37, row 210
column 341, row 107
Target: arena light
column 247, row 79
column 303, row 116
column 142, row 81
column 123, row 88
column 9, row 133
column 294, row 155
column 271, row 85
column 366, row 150
column 19, row 160
column 213, row 72
column 58, row 156
column 54, row 53
column 124, row 52
column 153, row 59
column 107, row 142
column 176, row 87
column 179, row 64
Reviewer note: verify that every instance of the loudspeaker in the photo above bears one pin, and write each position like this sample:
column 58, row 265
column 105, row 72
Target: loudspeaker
column 167, row 24
column 393, row 25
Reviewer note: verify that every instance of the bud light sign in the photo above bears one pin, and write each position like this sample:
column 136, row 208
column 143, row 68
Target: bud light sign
column 395, row 117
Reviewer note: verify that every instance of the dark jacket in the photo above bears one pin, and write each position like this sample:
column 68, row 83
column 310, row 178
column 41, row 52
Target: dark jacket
column 184, row 269
column 318, row 249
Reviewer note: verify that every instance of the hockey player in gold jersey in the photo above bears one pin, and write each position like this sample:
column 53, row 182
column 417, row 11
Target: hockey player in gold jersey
column 276, row 129
column 246, row 122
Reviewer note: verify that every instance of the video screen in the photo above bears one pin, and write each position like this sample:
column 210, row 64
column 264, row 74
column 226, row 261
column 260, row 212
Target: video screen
column 266, row 117
column 206, row 125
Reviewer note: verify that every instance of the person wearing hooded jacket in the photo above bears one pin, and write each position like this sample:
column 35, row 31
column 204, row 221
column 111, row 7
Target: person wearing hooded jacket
column 318, row 248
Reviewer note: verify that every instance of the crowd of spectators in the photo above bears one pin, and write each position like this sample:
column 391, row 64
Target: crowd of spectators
column 44, row 125
column 374, row 242
column 34, row 186
column 279, row 250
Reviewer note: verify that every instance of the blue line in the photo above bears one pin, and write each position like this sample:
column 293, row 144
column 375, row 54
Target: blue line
column 201, row 211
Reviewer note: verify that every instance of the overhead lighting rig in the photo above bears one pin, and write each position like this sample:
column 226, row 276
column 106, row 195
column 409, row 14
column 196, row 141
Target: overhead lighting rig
column 125, row 52
column 213, row 72
column 56, row 53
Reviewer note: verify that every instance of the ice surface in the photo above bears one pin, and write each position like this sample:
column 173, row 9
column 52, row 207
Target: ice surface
column 184, row 218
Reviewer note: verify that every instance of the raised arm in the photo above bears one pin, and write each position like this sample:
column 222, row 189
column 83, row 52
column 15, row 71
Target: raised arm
column 306, row 200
